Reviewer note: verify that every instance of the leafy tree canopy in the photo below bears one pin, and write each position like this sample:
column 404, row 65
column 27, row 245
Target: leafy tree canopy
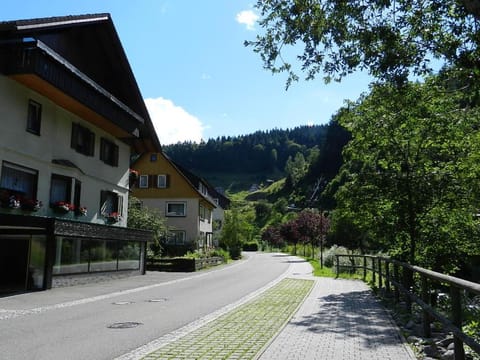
column 410, row 177
column 388, row 38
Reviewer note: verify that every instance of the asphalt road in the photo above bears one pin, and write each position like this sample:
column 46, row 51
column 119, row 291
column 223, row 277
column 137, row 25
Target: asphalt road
column 80, row 322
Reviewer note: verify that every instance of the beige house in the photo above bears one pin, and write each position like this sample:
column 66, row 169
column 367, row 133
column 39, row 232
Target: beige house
column 184, row 202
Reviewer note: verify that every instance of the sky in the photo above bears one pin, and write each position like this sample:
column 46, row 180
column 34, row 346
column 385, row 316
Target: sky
column 197, row 78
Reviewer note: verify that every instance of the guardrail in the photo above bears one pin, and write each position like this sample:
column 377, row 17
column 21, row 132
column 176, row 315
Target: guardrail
column 421, row 286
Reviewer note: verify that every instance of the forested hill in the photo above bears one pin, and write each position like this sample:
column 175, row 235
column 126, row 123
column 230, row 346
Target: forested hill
column 263, row 152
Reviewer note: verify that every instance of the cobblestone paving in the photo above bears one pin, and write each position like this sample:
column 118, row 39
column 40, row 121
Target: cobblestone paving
column 243, row 332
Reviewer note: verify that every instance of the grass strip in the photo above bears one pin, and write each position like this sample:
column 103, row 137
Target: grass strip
column 243, row 332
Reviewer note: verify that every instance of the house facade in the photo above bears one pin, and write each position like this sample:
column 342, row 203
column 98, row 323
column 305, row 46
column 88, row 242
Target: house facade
column 164, row 186
column 72, row 115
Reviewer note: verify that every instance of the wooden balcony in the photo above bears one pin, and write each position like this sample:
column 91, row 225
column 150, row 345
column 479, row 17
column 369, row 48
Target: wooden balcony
column 38, row 67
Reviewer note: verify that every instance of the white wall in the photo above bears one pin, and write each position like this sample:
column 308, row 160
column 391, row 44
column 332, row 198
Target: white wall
column 188, row 223
column 37, row 152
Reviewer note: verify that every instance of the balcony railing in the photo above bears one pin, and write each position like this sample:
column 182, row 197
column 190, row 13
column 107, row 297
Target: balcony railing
column 37, row 59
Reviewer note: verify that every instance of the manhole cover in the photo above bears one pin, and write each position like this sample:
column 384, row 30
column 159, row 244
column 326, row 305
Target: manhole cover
column 124, row 325
column 157, row 300
column 122, row 303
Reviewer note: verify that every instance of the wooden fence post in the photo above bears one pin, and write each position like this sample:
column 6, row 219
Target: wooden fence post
column 380, row 277
column 397, row 280
column 387, row 276
column 364, row 267
column 374, row 279
column 337, row 265
column 457, row 320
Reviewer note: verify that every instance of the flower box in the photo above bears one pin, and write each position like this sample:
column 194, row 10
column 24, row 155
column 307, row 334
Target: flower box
column 113, row 218
column 62, row 207
column 30, row 204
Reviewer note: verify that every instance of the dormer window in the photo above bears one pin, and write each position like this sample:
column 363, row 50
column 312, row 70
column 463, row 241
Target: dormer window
column 34, row 117
column 83, row 140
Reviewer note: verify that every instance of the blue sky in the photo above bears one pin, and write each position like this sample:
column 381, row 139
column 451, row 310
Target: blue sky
column 196, row 76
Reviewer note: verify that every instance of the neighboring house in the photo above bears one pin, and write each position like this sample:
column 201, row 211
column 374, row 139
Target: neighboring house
column 72, row 116
column 223, row 203
column 163, row 185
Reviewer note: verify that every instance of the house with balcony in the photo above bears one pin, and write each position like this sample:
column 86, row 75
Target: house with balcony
column 173, row 191
column 72, row 117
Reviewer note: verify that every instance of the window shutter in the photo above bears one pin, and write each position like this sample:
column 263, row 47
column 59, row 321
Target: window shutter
column 102, row 149
column 91, row 143
column 167, row 181
column 152, row 181
column 73, row 141
column 115, row 155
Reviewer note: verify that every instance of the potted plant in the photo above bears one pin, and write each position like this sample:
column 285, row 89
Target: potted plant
column 30, row 204
column 13, row 202
column 62, row 207
column 132, row 177
column 113, row 218
column 82, row 211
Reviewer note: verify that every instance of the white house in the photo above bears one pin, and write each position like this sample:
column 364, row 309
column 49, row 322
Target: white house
column 71, row 115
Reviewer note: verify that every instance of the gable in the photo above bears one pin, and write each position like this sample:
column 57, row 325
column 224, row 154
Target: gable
column 86, row 49
column 178, row 187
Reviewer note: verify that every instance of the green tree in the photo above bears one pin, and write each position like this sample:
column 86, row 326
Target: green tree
column 235, row 232
column 411, row 174
column 141, row 217
column 296, row 168
column 389, row 39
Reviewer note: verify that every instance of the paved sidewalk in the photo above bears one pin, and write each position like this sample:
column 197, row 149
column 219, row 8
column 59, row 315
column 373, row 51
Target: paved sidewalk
column 327, row 319
column 339, row 320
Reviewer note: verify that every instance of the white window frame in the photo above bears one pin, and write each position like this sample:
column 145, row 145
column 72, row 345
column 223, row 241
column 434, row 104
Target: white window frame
column 162, row 184
column 143, row 182
column 175, row 214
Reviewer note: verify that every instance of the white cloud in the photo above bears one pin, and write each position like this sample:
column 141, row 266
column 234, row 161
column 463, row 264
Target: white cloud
column 248, row 18
column 172, row 123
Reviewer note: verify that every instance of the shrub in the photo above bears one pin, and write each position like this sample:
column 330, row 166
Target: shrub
column 329, row 255
column 235, row 252
column 250, row 246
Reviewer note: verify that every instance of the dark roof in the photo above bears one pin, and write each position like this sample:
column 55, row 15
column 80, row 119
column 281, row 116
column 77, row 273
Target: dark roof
column 91, row 44
column 223, row 201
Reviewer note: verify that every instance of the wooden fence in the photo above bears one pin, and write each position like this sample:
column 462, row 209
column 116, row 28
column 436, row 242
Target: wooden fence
column 423, row 287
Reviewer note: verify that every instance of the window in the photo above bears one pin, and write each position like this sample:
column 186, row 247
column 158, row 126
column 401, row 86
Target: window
column 19, row 180
column 110, row 203
column 108, row 152
column 202, row 188
column 176, row 209
column 60, row 189
column 34, row 117
column 153, row 157
column 176, row 237
column 162, row 181
column 83, row 140
column 143, row 182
